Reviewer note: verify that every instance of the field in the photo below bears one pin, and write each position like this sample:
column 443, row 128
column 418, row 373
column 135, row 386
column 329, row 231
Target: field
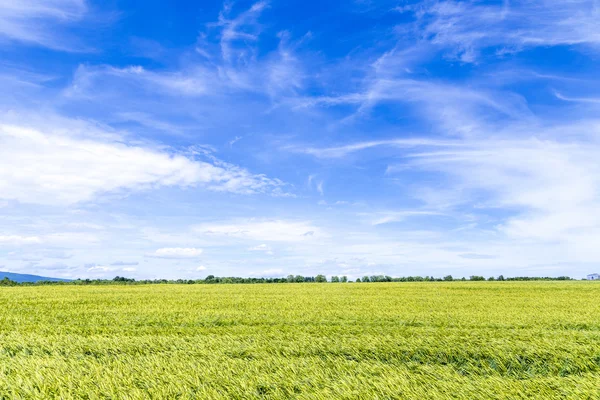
column 466, row 340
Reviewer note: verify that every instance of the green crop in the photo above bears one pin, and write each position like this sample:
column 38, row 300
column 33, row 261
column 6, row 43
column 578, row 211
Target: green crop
column 463, row 340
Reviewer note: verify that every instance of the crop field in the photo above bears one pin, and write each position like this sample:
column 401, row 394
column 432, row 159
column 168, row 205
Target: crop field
column 465, row 340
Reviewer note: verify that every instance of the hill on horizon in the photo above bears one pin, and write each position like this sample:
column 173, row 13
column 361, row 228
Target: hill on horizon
column 20, row 278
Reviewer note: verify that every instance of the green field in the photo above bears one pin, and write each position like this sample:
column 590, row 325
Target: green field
column 467, row 340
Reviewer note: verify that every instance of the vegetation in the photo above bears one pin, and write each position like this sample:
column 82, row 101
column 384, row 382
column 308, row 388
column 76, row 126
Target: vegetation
column 431, row 340
column 211, row 279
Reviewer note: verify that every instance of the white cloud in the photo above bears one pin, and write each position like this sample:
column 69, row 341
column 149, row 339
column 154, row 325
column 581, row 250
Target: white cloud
column 17, row 240
column 385, row 217
column 177, row 252
column 262, row 230
column 548, row 190
column 238, row 68
column 237, row 32
column 320, row 188
column 124, row 263
column 343, row 150
column 544, row 175
column 148, row 121
column 457, row 108
column 39, row 21
column 194, row 82
column 260, row 247
column 101, row 268
column 235, row 140
column 263, row 248
column 467, row 27
column 201, row 268
column 54, row 168
column 533, row 186
column 592, row 100
column 280, row 74
column 107, row 268
column 55, row 238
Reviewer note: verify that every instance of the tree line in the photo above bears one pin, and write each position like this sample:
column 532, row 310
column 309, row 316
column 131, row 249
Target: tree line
column 211, row 279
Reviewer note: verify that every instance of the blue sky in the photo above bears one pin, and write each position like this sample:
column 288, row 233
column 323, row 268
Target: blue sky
column 180, row 139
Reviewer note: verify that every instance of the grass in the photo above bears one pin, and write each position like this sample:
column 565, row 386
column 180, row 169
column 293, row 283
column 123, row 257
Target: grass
column 463, row 340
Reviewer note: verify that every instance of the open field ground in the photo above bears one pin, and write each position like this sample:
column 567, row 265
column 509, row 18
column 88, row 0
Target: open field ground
column 467, row 340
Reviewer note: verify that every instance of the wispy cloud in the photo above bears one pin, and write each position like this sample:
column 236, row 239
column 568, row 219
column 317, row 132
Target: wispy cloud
column 238, row 31
column 386, row 217
column 50, row 167
column 262, row 230
column 459, row 109
column 262, row 248
column 196, row 81
column 124, row 263
column 341, row 151
column 551, row 187
column 39, row 22
column 177, row 252
column 19, row 240
column 320, row 188
column 466, row 28
column 238, row 67
column 593, row 100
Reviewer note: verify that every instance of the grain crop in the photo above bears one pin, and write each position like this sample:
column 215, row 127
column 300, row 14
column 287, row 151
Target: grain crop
column 455, row 340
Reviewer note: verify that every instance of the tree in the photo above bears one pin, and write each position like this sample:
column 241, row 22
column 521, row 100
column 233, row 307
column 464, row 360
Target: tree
column 476, row 278
column 122, row 279
column 335, row 278
column 500, row 278
column 7, row 282
column 320, row 278
column 344, row 278
column 358, row 280
column 290, row 278
column 448, row 278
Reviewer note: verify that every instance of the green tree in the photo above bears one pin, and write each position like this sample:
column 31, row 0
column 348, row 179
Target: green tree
column 7, row 282
column 335, row 278
column 344, row 278
column 320, row 278
column 448, row 278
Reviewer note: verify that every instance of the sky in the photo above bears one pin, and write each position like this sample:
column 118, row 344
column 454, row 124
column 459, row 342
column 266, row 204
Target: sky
column 178, row 139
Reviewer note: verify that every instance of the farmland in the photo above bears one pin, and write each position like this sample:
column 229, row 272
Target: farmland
column 433, row 340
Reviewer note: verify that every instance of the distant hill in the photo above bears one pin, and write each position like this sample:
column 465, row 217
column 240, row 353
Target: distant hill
column 28, row 278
